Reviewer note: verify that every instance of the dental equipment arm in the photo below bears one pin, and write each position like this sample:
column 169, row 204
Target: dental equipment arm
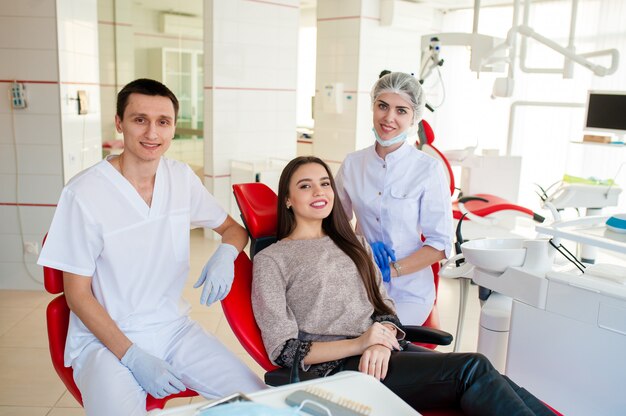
column 598, row 70
column 556, row 215
column 489, row 53
column 456, row 266
column 430, row 59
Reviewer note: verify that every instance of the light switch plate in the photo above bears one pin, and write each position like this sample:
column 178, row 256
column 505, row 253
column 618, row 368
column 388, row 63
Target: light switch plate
column 18, row 95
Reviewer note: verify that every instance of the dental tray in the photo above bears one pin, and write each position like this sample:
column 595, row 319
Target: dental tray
column 587, row 230
column 319, row 402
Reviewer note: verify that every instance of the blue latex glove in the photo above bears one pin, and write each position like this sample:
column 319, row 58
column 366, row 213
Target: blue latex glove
column 383, row 254
column 154, row 375
column 218, row 274
column 386, row 272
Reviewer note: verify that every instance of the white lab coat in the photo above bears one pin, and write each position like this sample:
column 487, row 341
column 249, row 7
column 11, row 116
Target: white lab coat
column 396, row 200
column 138, row 256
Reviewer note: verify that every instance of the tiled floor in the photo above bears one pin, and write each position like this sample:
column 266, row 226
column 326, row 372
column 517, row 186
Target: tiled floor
column 29, row 385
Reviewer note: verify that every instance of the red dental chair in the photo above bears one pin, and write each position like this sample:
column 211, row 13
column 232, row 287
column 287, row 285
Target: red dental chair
column 258, row 203
column 58, row 318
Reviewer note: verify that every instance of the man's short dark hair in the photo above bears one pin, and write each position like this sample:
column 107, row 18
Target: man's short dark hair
column 144, row 86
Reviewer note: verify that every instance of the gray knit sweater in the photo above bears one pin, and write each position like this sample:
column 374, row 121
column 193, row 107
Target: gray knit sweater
column 310, row 290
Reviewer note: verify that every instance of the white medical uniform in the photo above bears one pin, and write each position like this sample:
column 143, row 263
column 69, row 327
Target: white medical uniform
column 396, row 200
column 138, row 256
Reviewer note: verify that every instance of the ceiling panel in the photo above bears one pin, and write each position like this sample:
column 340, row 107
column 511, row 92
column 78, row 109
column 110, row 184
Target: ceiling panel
column 438, row 4
column 461, row 4
column 194, row 7
column 186, row 7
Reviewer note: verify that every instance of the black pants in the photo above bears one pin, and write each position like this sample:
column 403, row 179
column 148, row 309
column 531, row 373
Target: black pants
column 426, row 379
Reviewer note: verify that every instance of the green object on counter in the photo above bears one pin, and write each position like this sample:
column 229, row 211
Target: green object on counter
column 588, row 181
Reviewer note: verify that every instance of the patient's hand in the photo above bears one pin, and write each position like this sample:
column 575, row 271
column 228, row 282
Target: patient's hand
column 377, row 334
column 375, row 361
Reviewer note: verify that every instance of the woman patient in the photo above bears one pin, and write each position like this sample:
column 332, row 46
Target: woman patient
column 317, row 295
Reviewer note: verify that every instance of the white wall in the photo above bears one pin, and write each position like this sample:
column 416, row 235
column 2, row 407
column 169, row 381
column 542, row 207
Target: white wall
column 117, row 57
column 77, row 31
column 249, row 86
column 307, row 51
column 51, row 47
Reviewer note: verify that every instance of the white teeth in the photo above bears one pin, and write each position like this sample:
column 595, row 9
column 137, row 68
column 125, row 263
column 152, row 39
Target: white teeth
column 319, row 204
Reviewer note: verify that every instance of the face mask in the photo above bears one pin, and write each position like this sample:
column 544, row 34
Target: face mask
column 386, row 143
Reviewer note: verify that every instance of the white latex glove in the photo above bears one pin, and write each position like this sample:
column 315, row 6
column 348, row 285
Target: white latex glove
column 218, row 274
column 155, row 376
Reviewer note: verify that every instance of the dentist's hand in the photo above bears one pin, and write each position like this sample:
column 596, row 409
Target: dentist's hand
column 218, row 274
column 155, row 376
column 383, row 254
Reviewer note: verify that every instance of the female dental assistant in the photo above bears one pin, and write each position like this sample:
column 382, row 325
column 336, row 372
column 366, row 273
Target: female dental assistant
column 399, row 194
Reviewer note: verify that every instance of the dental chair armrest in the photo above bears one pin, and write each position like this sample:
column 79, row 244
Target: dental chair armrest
column 464, row 199
column 427, row 335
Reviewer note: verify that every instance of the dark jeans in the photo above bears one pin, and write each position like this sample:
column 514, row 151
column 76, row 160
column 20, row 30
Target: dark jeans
column 426, row 379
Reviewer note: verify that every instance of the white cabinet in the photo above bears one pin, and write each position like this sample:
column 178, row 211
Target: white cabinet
column 181, row 70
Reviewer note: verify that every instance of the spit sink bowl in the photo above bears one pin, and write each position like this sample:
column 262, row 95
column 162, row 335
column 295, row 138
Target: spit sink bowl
column 494, row 254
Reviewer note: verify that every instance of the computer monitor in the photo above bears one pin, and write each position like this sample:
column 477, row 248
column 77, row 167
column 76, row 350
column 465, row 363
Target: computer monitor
column 606, row 112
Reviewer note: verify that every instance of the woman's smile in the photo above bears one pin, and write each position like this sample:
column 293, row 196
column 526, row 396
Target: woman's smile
column 387, row 128
column 319, row 204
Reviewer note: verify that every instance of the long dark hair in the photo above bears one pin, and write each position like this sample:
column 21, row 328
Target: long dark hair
column 336, row 226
